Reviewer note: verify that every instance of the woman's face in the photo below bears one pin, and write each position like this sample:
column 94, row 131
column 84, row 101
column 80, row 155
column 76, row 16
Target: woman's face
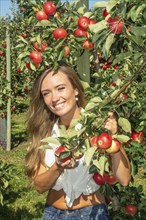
column 59, row 94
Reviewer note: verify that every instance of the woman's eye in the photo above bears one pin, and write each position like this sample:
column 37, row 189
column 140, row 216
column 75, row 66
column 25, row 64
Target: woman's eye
column 45, row 94
column 61, row 88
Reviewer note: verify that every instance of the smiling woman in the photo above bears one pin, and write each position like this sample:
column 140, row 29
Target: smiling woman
column 58, row 101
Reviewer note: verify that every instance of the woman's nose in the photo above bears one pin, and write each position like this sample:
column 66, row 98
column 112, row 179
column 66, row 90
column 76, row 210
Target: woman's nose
column 55, row 96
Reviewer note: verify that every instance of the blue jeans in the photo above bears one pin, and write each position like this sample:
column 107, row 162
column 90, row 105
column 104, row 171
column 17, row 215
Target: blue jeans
column 95, row 212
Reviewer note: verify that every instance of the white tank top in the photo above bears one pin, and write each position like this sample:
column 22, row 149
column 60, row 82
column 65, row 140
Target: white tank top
column 74, row 181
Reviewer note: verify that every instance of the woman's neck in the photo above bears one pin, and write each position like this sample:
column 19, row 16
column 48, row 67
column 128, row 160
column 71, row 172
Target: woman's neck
column 66, row 121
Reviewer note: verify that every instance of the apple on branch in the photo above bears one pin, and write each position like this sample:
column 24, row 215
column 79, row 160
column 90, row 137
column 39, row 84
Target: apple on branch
column 115, row 146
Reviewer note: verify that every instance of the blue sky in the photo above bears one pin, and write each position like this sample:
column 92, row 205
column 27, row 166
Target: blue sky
column 6, row 4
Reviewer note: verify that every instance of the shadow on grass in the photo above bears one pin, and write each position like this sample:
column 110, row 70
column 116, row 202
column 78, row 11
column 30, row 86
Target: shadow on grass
column 18, row 138
column 23, row 212
column 7, row 213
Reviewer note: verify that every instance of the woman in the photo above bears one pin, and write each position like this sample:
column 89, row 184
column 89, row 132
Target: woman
column 57, row 99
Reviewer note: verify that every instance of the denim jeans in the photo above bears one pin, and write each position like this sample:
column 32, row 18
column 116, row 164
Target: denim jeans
column 95, row 212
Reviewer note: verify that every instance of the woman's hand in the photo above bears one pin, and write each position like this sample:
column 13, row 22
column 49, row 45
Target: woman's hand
column 71, row 163
column 111, row 123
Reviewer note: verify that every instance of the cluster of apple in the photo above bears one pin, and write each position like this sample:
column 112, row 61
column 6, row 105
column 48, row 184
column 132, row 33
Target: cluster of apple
column 107, row 178
column 83, row 22
column 4, row 44
column 105, row 142
column 49, row 8
column 115, row 24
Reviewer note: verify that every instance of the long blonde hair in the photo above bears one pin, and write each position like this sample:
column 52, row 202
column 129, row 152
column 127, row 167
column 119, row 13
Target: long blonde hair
column 41, row 119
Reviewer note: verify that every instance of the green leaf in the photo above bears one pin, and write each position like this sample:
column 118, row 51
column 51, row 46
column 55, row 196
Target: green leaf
column 19, row 45
column 101, row 4
column 93, row 169
column 51, row 140
column 133, row 168
column 90, row 106
column 64, row 155
column 140, row 9
column 38, row 39
column 89, row 155
column 95, row 28
column 88, row 14
column 124, row 124
column 138, row 31
column 132, row 13
column 122, row 56
column 138, row 40
column 45, row 23
column 122, row 138
column 85, row 84
column 102, row 162
column 109, row 41
column 32, row 66
column 81, row 10
column 61, row 54
column 22, row 55
column 95, row 99
column 111, row 4
column 22, row 39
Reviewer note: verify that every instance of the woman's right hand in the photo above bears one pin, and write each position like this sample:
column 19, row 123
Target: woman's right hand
column 69, row 164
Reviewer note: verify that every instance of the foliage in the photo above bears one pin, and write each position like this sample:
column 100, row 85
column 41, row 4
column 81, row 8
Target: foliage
column 7, row 172
column 117, row 68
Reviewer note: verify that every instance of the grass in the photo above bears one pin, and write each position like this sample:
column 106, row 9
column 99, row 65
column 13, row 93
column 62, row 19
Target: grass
column 22, row 202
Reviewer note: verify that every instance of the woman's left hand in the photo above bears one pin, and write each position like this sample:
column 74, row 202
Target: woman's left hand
column 111, row 123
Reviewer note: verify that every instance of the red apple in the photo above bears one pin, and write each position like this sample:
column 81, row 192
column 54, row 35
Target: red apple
column 113, row 84
column 4, row 44
column 99, row 179
column 1, row 53
column 41, row 15
column 13, row 108
column 125, row 96
column 24, row 35
column 105, row 12
column 67, row 51
column 92, row 21
column 93, row 141
column 110, row 179
column 115, row 146
column 104, row 140
column 131, row 209
column 50, row 8
column 115, row 25
column 63, row 154
column 137, row 136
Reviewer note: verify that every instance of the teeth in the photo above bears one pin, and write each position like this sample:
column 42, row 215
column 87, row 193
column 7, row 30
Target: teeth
column 59, row 106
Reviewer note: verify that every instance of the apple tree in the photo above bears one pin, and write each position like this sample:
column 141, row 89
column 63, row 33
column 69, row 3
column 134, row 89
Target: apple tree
column 113, row 34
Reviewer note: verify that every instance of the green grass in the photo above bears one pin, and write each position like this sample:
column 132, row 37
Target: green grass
column 20, row 201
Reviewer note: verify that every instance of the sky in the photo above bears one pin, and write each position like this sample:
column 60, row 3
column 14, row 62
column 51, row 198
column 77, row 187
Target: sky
column 6, row 4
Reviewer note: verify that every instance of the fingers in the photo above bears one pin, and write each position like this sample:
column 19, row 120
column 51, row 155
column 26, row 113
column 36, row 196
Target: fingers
column 111, row 115
column 67, row 164
column 111, row 123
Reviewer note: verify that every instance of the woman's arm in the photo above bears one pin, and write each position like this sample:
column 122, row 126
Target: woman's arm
column 46, row 178
column 121, row 167
column 119, row 161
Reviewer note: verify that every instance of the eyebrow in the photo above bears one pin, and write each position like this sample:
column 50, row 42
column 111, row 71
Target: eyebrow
column 45, row 90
